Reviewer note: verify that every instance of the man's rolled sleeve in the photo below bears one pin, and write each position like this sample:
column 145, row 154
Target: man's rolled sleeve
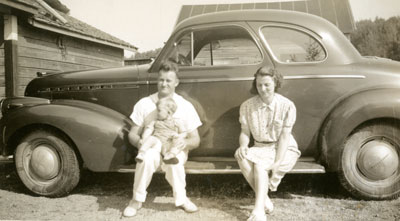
column 192, row 118
column 137, row 115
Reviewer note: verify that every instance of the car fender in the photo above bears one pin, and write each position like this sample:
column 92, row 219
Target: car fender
column 98, row 132
column 351, row 113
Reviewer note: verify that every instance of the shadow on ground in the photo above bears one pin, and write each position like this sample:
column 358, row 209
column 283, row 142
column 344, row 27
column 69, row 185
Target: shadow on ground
column 114, row 190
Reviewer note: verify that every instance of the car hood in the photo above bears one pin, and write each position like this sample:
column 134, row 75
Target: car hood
column 95, row 76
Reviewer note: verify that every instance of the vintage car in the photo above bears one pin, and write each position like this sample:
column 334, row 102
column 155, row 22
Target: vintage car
column 348, row 106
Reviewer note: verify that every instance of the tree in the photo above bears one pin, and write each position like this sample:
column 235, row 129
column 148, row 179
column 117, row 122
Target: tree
column 313, row 51
column 148, row 54
column 378, row 38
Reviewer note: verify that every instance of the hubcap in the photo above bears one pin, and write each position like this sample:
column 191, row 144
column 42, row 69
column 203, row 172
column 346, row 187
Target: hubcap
column 378, row 160
column 45, row 162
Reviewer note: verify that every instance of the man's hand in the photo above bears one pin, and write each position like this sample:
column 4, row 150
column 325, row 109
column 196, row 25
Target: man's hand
column 134, row 135
column 192, row 140
column 140, row 143
column 181, row 135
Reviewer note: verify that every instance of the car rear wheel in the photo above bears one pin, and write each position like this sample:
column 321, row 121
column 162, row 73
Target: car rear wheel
column 46, row 163
column 370, row 162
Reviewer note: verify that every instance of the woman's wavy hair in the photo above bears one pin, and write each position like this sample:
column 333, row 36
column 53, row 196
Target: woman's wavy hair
column 267, row 71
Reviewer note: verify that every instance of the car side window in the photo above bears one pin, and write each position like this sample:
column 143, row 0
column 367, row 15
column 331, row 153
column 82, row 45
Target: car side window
column 216, row 47
column 289, row 45
column 181, row 52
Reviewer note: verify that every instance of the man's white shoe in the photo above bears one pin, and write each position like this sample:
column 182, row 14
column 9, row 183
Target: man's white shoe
column 269, row 206
column 189, row 207
column 132, row 208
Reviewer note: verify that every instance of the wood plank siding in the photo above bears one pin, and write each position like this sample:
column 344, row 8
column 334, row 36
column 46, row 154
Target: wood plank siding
column 45, row 51
column 2, row 67
column 2, row 72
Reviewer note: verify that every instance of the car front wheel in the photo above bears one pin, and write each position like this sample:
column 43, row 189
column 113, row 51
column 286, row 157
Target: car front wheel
column 370, row 162
column 46, row 163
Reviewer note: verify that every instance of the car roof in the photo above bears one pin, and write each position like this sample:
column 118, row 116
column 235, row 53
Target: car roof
column 341, row 49
column 309, row 21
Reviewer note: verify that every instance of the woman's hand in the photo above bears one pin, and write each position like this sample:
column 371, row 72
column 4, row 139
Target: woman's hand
column 274, row 167
column 242, row 152
column 244, row 140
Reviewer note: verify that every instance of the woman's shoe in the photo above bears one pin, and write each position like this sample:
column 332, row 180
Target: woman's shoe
column 251, row 217
column 257, row 217
column 269, row 206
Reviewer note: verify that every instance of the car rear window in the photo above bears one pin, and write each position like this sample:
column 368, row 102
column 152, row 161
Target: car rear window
column 288, row 45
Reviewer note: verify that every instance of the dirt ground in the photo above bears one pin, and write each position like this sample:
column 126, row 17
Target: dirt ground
column 103, row 196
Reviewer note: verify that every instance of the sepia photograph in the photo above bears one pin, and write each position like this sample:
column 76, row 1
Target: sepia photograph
column 202, row 110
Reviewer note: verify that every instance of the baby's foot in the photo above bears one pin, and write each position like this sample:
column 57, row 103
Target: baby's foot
column 172, row 160
column 139, row 158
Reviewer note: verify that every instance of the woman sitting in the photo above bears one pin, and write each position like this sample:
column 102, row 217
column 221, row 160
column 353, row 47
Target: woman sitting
column 268, row 117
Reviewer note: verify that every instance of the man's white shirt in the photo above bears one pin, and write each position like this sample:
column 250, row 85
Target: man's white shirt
column 145, row 111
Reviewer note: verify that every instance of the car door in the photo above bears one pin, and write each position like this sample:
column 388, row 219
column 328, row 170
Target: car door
column 217, row 63
column 314, row 81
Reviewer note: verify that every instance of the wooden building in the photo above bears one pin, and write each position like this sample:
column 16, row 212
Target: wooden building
column 138, row 61
column 38, row 38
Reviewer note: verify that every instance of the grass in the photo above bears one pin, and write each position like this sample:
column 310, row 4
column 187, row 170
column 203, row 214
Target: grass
column 215, row 185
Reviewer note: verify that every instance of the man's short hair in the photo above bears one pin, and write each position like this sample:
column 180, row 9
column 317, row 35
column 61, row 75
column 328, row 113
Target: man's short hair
column 169, row 66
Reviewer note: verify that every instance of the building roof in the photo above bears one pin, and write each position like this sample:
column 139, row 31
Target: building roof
column 47, row 19
column 21, row 5
column 337, row 12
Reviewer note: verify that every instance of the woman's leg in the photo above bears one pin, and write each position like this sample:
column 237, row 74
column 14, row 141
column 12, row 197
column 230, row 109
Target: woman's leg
column 289, row 161
column 247, row 168
column 261, row 181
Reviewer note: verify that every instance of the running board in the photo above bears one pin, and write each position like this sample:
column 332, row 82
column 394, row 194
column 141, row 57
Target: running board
column 219, row 165
column 6, row 159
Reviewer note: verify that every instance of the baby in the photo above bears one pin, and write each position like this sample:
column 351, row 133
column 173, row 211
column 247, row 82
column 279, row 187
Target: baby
column 164, row 134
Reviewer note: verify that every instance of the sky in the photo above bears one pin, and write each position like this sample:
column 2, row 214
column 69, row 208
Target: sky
column 147, row 24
